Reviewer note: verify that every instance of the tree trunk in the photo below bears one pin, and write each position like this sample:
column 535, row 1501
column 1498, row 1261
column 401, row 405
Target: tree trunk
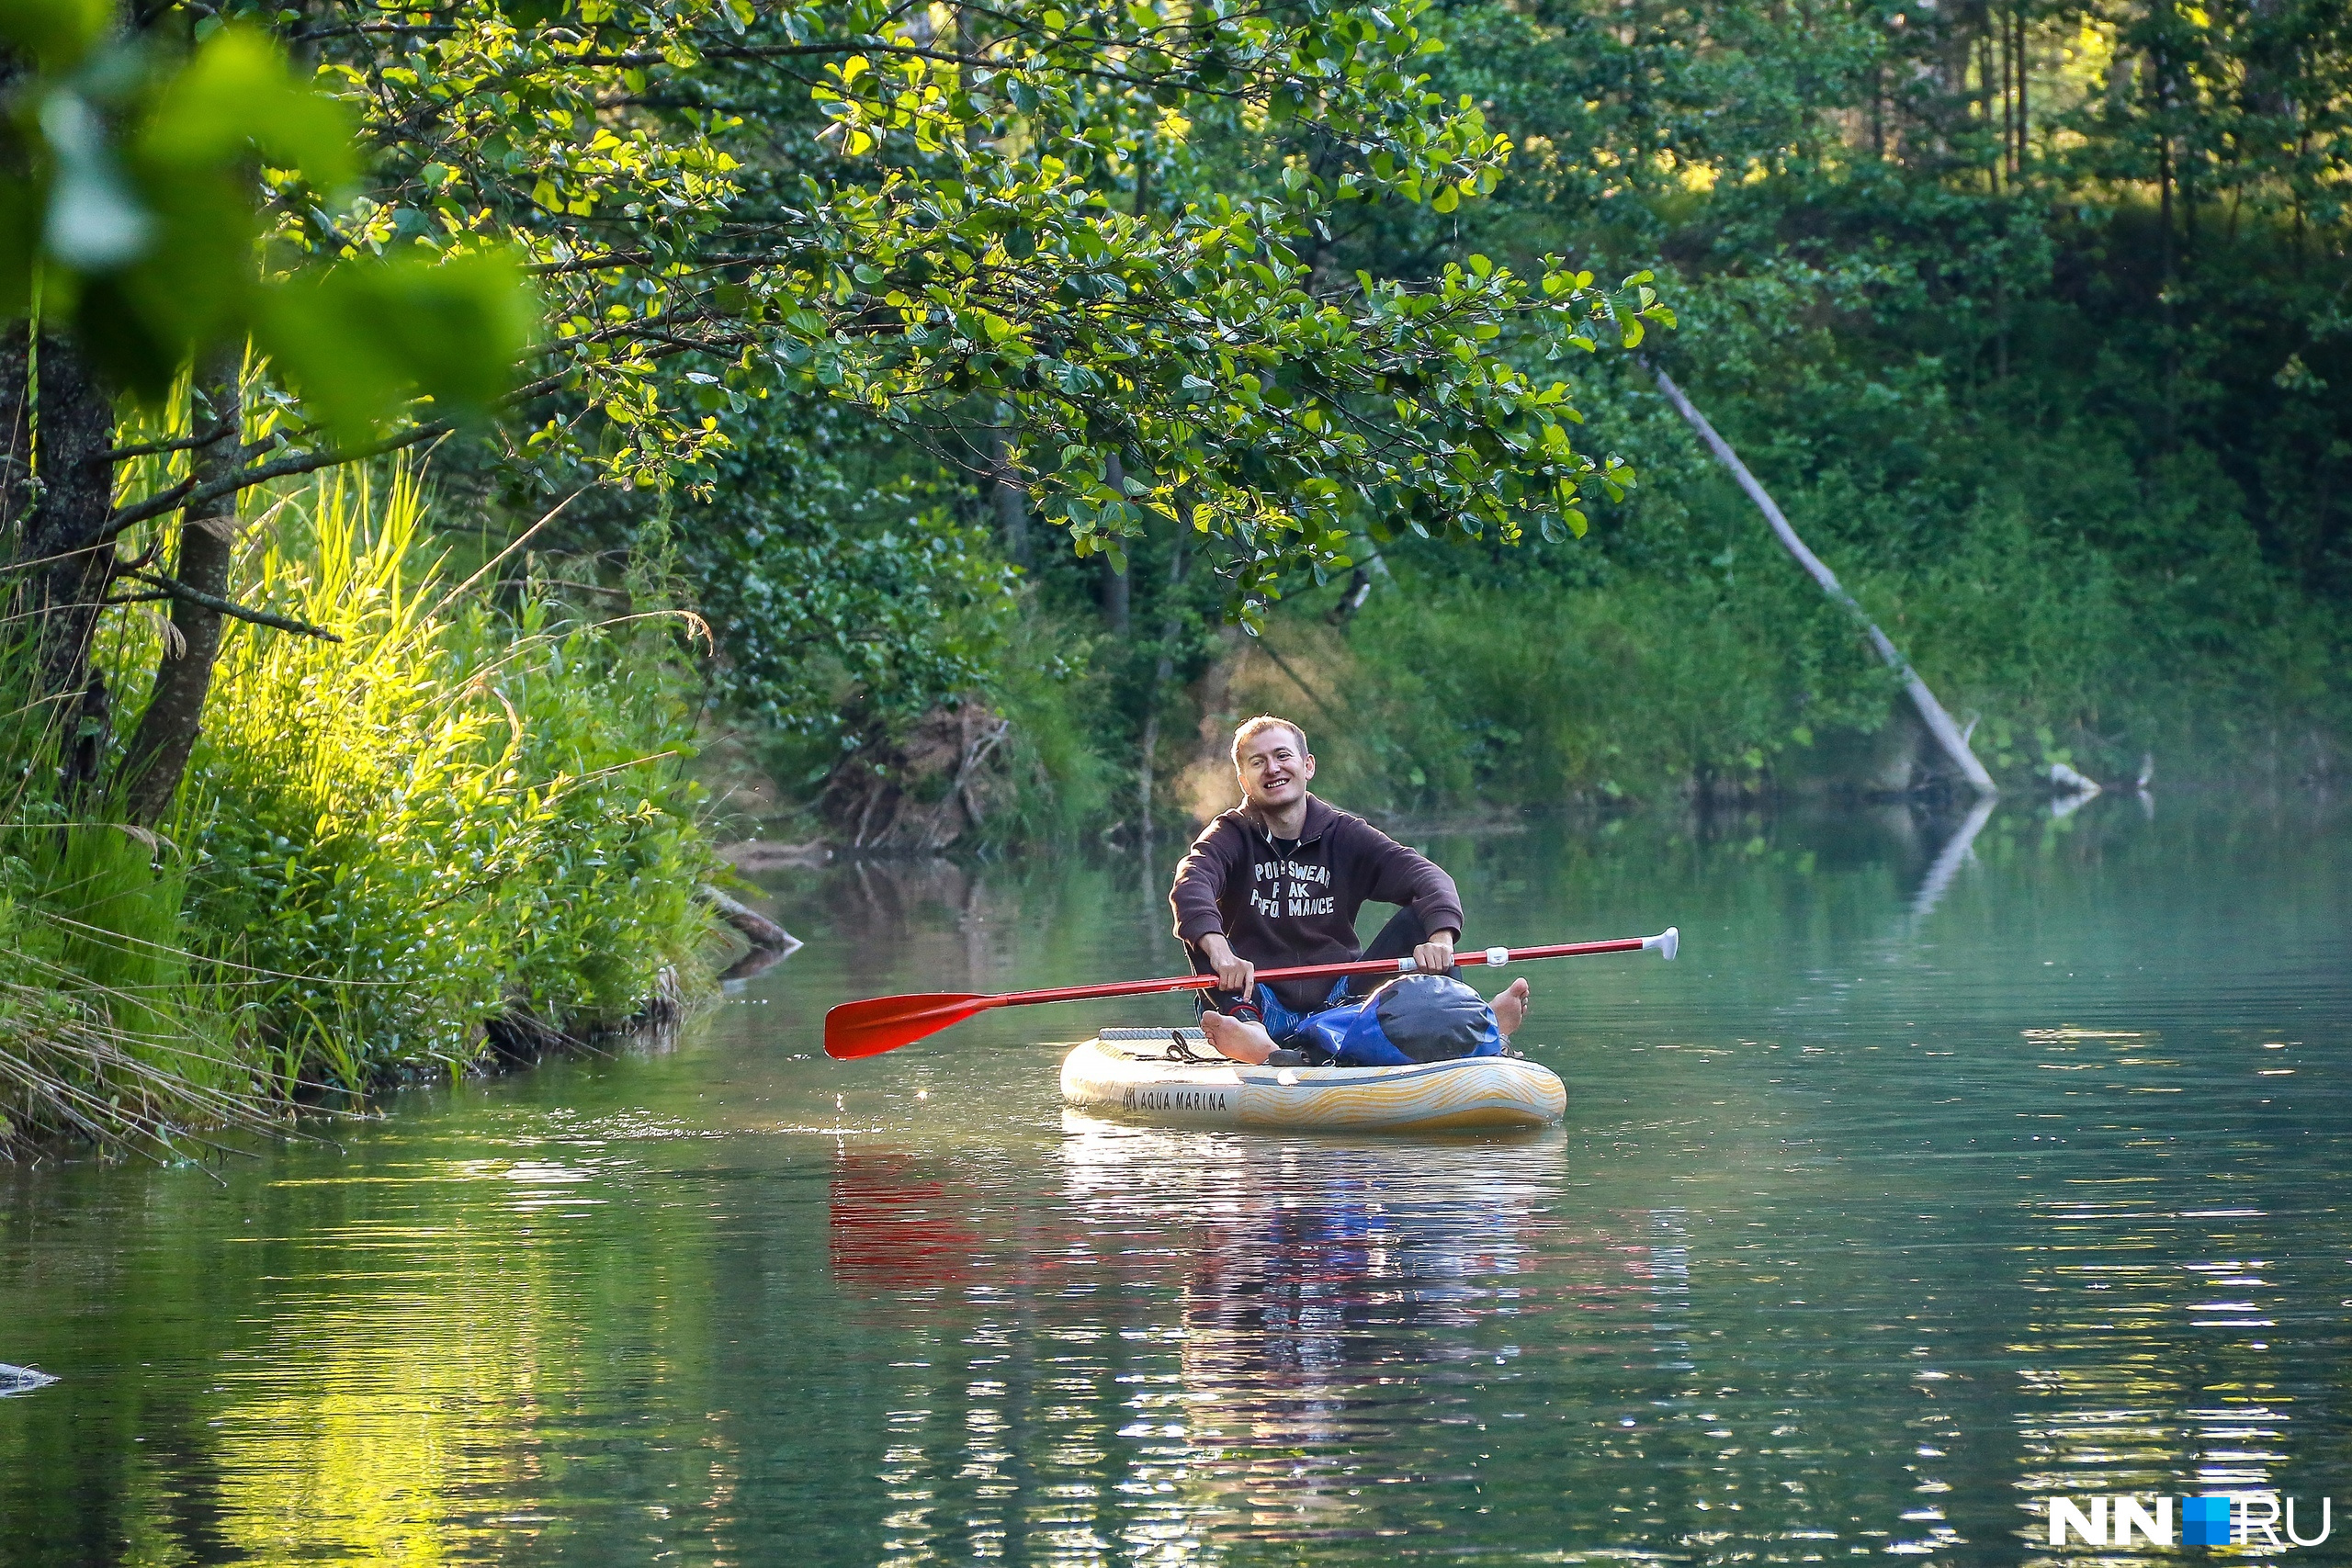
column 2164, row 250
column 1988, row 87
column 1358, row 588
column 64, row 544
column 1878, row 110
column 1116, row 598
column 157, row 758
column 2024, row 92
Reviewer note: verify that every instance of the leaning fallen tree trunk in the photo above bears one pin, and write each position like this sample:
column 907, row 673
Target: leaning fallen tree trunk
column 1931, row 713
column 762, row 933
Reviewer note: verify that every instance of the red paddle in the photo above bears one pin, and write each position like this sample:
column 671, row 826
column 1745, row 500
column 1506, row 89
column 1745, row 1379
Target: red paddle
column 884, row 1023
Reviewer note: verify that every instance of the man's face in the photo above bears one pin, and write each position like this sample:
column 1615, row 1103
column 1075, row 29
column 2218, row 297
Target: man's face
column 1275, row 768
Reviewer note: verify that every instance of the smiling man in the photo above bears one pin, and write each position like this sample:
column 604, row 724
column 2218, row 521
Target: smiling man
column 1278, row 881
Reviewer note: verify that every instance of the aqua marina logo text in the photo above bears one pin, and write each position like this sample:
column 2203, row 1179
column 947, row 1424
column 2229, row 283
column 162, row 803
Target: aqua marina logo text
column 2263, row 1519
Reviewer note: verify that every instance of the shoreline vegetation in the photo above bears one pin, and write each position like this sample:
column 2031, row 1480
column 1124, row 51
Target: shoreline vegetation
column 2079, row 601
column 1441, row 692
column 458, row 830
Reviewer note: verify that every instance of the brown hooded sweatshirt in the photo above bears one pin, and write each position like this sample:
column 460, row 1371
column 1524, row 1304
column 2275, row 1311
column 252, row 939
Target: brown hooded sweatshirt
column 1300, row 908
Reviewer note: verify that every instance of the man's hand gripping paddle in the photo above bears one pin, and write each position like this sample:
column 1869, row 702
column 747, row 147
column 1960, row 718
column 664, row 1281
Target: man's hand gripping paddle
column 884, row 1023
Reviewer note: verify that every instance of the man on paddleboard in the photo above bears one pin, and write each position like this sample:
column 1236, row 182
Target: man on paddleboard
column 1278, row 881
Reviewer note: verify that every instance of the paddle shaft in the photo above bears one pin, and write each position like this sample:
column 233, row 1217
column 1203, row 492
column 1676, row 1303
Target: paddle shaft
column 884, row 1023
column 1313, row 971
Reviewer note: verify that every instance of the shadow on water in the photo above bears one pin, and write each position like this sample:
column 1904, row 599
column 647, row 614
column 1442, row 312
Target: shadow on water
column 1963, row 1161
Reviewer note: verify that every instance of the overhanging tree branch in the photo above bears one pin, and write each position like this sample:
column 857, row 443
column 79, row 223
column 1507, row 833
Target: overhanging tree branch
column 170, row 587
column 156, row 448
column 188, row 493
column 640, row 60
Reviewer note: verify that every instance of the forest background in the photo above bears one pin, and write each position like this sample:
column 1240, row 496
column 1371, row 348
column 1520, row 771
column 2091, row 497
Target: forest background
column 2032, row 317
column 945, row 419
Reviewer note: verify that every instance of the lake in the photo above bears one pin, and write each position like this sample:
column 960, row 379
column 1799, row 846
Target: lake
column 1936, row 1181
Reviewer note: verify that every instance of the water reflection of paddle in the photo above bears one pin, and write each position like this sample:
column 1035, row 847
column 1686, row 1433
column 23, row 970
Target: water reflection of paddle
column 893, row 1225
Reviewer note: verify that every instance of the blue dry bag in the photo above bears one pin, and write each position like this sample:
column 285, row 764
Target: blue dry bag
column 1414, row 1018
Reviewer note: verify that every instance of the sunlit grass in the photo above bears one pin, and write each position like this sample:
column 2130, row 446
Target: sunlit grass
column 471, row 807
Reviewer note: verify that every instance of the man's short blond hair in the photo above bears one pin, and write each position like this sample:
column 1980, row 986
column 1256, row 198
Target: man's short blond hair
column 1264, row 721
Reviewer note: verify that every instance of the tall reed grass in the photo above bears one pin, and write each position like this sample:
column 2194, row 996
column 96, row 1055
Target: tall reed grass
column 471, row 807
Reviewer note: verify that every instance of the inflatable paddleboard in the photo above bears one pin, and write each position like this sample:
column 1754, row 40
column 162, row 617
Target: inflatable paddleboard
column 1175, row 1076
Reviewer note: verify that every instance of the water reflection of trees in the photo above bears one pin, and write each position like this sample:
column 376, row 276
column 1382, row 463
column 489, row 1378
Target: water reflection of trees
column 1209, row 1340
column 2169, row 1350
column 410, row 1361
column 1206, row 1346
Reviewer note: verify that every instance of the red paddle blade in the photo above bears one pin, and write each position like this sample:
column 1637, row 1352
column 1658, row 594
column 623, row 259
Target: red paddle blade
column 884, row 1023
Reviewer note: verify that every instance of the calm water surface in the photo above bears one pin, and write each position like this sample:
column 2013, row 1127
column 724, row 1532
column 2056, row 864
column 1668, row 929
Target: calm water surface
column 1925, row 1186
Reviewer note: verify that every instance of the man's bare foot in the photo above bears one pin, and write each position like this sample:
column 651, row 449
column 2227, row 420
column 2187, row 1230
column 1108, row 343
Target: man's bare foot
column 1244, row 1042
column 1511, row 1007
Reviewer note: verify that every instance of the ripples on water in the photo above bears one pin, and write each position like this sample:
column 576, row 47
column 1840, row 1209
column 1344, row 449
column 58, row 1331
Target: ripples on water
column 1929, row 1186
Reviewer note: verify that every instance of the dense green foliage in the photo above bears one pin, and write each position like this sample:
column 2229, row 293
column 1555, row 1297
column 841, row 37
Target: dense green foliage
column 125, row 210
column 2029, row 316
column 840, row 585
column 1183, row 359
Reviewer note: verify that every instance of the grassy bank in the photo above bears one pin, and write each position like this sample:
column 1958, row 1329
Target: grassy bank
column 468, row 816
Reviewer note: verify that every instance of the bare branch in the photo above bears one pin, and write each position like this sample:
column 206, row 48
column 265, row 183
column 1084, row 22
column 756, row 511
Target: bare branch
column 156, row 448
column 155, row 505
column 866, row 46
column 311, row 462
column 174, row 588
column 591, row 264
column 687, row 268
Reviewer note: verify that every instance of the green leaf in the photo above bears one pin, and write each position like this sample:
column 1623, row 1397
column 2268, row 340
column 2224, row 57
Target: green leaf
column 362, row 338
column 56, row 33
column 96, row 221
column 236, row 93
